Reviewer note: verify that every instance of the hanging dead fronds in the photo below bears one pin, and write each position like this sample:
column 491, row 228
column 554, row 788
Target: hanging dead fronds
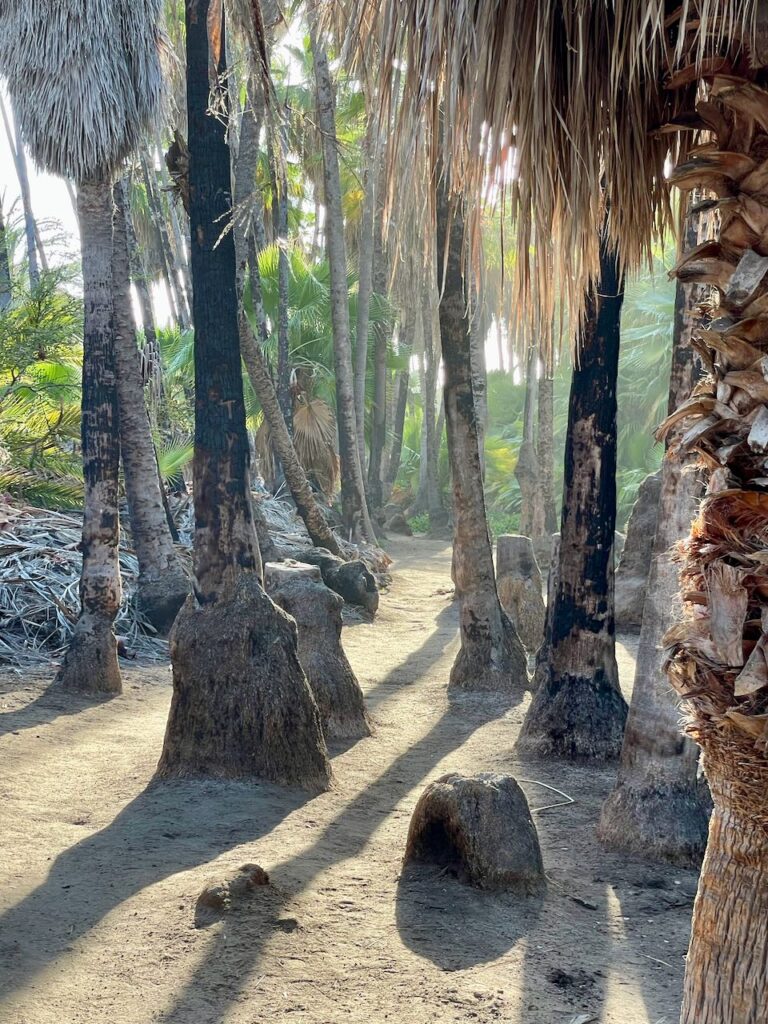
column 85, row 79
column 555, row 105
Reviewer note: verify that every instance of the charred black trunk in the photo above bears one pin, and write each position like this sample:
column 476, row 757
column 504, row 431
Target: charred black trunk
column 579, row 711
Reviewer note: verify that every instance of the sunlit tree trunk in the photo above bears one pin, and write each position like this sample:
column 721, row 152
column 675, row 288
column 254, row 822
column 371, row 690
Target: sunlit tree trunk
column 579, row 712
column 405, row 345
column 658, row 807
column 90, row 664
column 31, row 233
column 433, row 433
column 176, row 298
column 545, row 445
column 527, row 469
column 162, row 586
column 365, row 282
column 354, row 506
column 491, row 655
column 381, row 334
column 241, row 705
column 5, row 266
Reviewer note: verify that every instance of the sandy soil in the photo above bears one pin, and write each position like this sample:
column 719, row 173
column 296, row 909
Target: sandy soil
column 100, row 874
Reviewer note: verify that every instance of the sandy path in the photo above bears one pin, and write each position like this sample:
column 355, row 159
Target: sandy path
column 100, row 874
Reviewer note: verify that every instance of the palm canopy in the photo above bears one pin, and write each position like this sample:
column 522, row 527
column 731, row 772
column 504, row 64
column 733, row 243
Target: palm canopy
column 84, row 78
column 564, row 106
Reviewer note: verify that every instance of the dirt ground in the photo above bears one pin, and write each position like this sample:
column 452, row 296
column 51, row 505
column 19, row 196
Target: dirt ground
column 100, row 874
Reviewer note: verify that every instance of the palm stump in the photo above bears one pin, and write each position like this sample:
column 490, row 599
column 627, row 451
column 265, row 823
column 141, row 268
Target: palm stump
column 518, row 581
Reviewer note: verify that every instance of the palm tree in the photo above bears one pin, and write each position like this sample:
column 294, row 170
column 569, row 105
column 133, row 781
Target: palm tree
column 579, row 711
column 241, row 704
column 584, row 90
column 658, row 806
column 162, row 586
column 491, row 655
column 80, row 118
column 355, row 508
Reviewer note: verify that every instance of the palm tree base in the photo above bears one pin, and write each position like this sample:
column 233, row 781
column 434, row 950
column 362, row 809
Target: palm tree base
column 491, row 664
column 161, row 598
column 90, row 664
column 575, row 718
column 241, row 707
column 666, row 822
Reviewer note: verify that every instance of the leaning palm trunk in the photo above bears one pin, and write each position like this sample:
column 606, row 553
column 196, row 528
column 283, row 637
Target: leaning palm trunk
column 716, row 653
column 491, row 655
column 354, row 505
column 162, row 586
column 579, row 712
column 657, row 807
column 241, row 704
column 90, row 663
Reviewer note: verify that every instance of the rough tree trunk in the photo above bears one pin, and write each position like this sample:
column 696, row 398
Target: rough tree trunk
column 365, row 281
column 437, row 514
column 176, row 300
column 579, row 711
column 405, row 346
column 379, row 411
column 527, row 469
column 716, row 653
column 491, row 655
column 241, row 704
column 163, row 586
column 5, row 267
column 353, row 501
column 280, row 219
column 658, row 808
column 90, row 664
column 545, row 451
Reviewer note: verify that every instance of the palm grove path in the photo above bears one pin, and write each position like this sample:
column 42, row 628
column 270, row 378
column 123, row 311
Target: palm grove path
column 100, row 874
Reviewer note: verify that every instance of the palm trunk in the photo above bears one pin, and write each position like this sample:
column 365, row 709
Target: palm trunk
column 716, row 659
column 180, row 243
column 379, row 411
column 545, row 451
column 405, row 344
column 354, row 505
column 658, row 808
column 6, row 293
column 579, row 711
column 365, row 284
column 90, row 664
column 151, row 366
column 280, row 220
column 176, row 301
column 432, row 433
column 527, row 469
column 241, row 704
column 162, row 586
column 16, row 146
column 491, row 655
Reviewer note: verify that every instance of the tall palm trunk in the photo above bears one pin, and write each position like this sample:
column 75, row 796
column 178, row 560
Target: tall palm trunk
column 90, row 664
column 657, row 807
column 162, row 586
column 545, row 445
column 437, row 514
column 527, row 468
column 241, row 705
column 381, row 336
column 716, row 652
column 280, row 221
column 579, row 712
column 16, row 145
column 180, row 242
column 491, row 655
column 354, row 505
column 365, row 282
column 5, row 266
column 151, row 366
column 404, row 347
column 176, row 297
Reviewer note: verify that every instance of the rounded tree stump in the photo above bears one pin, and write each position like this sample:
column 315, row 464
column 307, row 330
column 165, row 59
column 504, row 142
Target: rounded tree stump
column 298, row 589
column 519, row 584
column 480, row 829
column 352, row 580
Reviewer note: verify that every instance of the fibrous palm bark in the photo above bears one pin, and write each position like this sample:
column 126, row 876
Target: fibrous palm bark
column 354, row 505
column 658, row 807
column 716, row 652
column 241, row 704
column 579, row 711
column 491, row 655
column 162, row 585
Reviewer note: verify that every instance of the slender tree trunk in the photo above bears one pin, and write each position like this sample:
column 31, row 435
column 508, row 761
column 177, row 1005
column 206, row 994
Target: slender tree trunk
column 150, row 357
column 241, row 704
column 437, row 514
column 16, row 146
column 90, row 664
column 181, row 243
column 658, row 808
column 354, row 505
column 365, row 283
column 579, row 712
column 545, row 450
column 527, row 469
column 163, row 586
column 479, row 374
column 280, row 220
column 405, row 344
column 178, row 307
column 381, row 335
column 5, row 267
column 491, row 655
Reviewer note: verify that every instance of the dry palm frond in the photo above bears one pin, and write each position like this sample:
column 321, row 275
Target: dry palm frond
column 314, row 438
column 85, row 78
column 558, row 104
